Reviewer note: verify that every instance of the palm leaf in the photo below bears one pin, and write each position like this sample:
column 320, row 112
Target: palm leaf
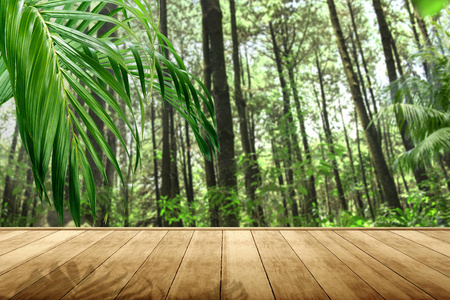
column 50, row 57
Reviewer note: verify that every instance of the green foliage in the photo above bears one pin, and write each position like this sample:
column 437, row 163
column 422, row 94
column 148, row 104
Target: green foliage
column 51, row 58
column 430, row 7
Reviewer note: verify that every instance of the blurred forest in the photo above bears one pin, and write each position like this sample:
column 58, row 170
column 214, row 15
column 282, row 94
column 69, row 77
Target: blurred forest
column 329, row 113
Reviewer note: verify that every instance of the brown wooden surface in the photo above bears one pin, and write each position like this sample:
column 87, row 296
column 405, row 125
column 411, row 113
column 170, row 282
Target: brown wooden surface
column 217, row 263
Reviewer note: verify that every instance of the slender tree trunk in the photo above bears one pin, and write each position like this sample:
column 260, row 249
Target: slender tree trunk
column 280, row 183
column 363, row 169
column 226, row 158
column 8, row 204
column 329, row 139
column 175, row 183
column 369, row 130
column 159, row 222
column 387, row 41
column 287, row 122
column 27, row 195
column 189, row 181
column 209, row 164
column 249, row 171
column 359, row 201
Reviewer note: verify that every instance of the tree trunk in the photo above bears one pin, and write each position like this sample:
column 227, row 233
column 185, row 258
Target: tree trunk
column 387, row 40
column 249, row 171
column 212, row 15
column 329, row 139
column 280, row 183
column 159, row 222
column 189, row 181
column 369, row 130
column 8, row 204
column 287, row 122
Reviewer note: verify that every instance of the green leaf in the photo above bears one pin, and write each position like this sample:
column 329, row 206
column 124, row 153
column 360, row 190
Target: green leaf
column 430, row 7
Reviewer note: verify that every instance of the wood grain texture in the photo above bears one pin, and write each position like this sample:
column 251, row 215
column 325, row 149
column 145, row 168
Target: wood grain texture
column 433, row 259
column 385, row 281
column 4, row 235
column 20, row 255
column 17, row 241
column 289, row 277
column 16, row 280
column 108, row 280
column 331, row 273
column 155, row 276
column 243, row 275
column 443, row 235
column 432, row 282
column 60, row 281
column 199, row 274
column 426, row 241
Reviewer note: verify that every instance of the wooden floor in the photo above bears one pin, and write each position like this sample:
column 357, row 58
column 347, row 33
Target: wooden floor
column 207, row 263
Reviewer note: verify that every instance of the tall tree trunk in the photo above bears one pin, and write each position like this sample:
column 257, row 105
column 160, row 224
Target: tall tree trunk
column 387, row 40
column 369, row 130
column 359, row 201
column 209, row 164
column 189, row 181
column 287, row 122
column 175, row 183
column 159, row 222
column 329, row 139
column 166, row 182
column 363, row 169
column 251, row 177
column 226, row 158
column 27, row 196
column 8, row 204
column 280, row 183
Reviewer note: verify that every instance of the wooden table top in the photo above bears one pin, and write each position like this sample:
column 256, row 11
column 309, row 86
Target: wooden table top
column 224, row 263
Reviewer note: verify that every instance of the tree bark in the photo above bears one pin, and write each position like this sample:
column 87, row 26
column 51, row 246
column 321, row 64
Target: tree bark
column 329, row 139
column 250, row 174
column 226, row 158
column 369, row 130
column 287, row 121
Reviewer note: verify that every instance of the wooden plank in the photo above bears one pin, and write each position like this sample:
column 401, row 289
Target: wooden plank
column 16, row 280
column 432, row 229
column 199, row 274
column 433, row 259
column 19, row 256
column 108, row 280
column 60, row 281
column 288, row 276
column 21, row 240
column 155, row 276
column 332, row 274
column 441, row 234
column 425, row 240
column 4, row 235
column 385, row 281
column 434, row 283
column 243, row 275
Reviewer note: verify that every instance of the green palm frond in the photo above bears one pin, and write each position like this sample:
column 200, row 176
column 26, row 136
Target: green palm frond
column 426, row 151
column 51, row 58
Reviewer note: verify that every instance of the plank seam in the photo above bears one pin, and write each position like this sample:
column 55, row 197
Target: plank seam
column 23, row 245
column 221, row 267
column 345, row 264
column 99, row 264
column 387, row 265
column 140, row 265
column 433, row 236
column 420, row 244
column 12, row 236
column 181, row 261
column 305, row 266
column 33, row 257
column 262, row 263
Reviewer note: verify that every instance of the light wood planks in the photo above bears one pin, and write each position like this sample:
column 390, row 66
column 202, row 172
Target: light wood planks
column 213, row 263
column 60, row 281
column 385, row 281
column 425, row 240
column 243, row 275
column 199, row 274
column 16, row 280
column 319, row 261
column 289, row 277
column 4, row 235
column 442, row 235
column 434, row 283
column 155, row 276
column 425, row 255
column 20, row 255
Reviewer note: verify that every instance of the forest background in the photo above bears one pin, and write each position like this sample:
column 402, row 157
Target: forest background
column 305, row 139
